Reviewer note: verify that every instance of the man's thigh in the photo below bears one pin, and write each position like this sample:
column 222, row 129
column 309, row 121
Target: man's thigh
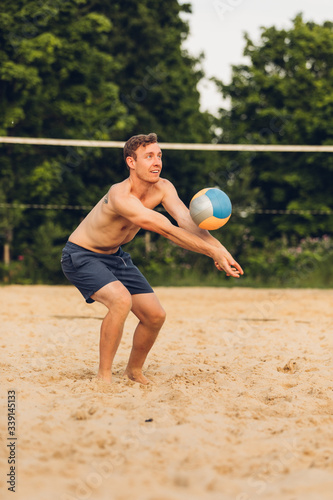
column 112, row 294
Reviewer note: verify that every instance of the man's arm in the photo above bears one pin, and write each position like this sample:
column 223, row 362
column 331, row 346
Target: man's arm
column 179, row 211
column 132, row 209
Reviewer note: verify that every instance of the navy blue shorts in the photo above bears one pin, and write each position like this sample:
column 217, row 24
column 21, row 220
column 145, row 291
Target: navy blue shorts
column 89, row 271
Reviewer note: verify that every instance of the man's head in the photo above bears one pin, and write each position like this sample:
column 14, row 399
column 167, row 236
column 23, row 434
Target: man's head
column 135, row 142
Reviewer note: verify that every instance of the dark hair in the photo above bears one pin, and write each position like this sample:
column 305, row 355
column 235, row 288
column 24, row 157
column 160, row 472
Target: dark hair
column 135, row 142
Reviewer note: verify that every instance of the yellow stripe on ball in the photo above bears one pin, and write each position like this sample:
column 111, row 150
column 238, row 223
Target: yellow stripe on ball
column 200, row 193
column 213, row 222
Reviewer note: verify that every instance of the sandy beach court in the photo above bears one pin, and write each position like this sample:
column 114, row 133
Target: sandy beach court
column 240, row 408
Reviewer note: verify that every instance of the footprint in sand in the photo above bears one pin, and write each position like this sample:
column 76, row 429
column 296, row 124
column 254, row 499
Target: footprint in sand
column 290, row 367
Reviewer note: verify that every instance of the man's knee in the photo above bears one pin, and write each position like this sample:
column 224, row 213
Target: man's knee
column 162, row 315
column 157, row 316
column 122, row 301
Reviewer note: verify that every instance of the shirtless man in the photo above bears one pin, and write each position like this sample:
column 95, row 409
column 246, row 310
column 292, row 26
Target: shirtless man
column 95, row 263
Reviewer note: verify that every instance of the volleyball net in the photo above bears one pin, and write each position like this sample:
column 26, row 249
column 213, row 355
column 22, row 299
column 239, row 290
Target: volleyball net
column 282, row 148
column 291, row 148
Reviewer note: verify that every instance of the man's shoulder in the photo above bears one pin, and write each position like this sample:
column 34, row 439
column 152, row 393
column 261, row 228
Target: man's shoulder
column 120, row 188
column 165, row 184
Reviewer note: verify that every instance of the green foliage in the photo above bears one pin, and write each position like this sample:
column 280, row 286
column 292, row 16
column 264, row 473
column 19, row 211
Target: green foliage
column 284, row 95
column 108, row 70
column 305, row 264
column 57, row 79
column 37, row 255
column 276, row 264
column 101, row 70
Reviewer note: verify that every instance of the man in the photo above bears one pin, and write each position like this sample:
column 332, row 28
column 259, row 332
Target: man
column 95, row 263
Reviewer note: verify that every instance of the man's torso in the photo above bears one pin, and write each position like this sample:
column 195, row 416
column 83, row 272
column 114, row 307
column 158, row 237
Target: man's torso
column 103, row 230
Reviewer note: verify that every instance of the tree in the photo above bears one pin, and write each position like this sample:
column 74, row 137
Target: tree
column 90, row 70
column 57, row 79
column 284, row 95
column 159, row 82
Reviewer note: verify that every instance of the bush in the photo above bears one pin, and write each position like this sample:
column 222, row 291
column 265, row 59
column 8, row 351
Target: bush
column 303, row 264
column 307, row 263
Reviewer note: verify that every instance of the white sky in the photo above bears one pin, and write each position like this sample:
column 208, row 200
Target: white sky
column 218, row 26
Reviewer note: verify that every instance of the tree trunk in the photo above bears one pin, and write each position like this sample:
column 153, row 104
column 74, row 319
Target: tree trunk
column 147, row 242
column 7, row 245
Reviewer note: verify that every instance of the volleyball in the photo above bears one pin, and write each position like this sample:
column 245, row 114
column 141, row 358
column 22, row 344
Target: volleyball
column 210, row 208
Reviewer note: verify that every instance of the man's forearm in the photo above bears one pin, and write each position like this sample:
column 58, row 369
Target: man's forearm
column 196, row 243
column 191, row 241
column 190, row 226
column 184, row 238
column 206, row 236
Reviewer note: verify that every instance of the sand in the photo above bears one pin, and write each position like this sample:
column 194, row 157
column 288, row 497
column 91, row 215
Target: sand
column 241, row 407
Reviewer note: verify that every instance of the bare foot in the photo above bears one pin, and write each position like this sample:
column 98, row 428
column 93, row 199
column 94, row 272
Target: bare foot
column 136, row 376
column 106, row 377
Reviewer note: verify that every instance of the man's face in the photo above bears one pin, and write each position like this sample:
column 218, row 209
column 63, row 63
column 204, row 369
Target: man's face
column 148, row 163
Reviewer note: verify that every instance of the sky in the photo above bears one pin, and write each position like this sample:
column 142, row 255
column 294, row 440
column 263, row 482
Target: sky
column 217, row 28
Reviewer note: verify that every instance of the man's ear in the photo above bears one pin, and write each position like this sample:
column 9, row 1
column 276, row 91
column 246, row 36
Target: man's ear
column 130, row 161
